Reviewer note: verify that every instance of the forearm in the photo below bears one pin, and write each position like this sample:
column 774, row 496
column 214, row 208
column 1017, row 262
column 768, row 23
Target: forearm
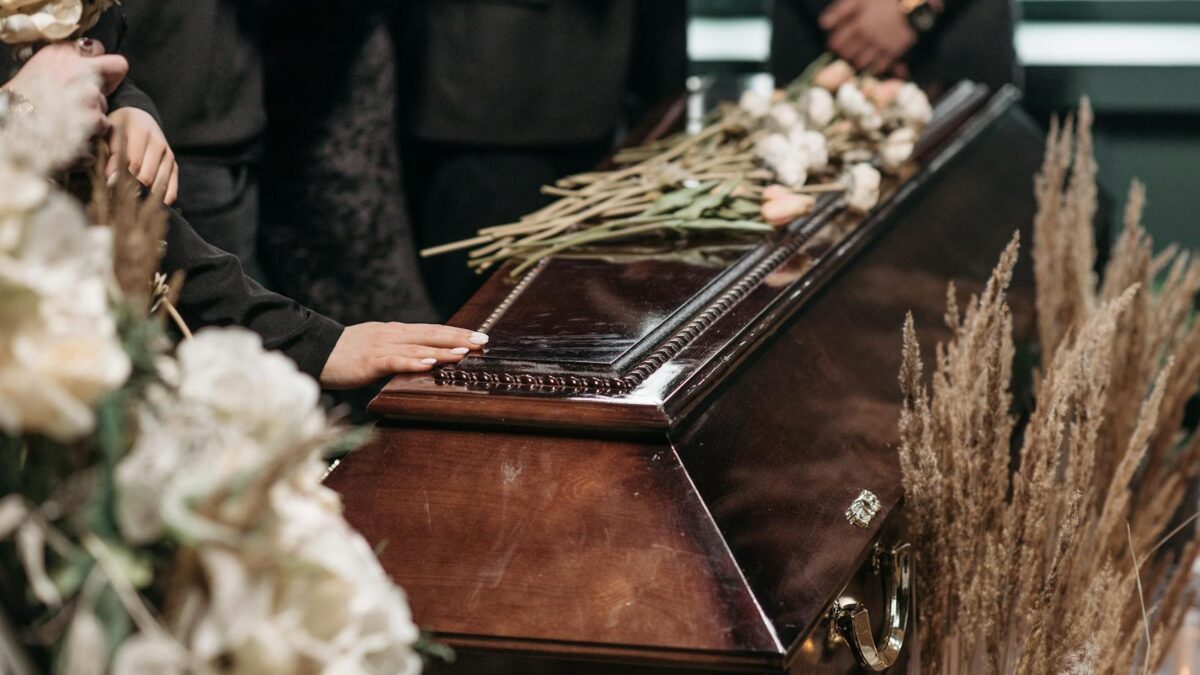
column 216, row 292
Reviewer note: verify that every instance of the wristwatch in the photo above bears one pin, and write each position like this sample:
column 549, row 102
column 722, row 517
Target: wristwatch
column 922, row 14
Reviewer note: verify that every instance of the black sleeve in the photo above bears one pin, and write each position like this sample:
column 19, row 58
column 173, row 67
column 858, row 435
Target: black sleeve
column 217, row 292
column 127, row 95
column 110, row 32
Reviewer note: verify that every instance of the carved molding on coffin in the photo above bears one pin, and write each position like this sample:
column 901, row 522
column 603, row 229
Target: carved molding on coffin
column 666, row 351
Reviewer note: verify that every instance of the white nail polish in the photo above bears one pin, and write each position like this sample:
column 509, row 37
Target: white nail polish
column 459, row 350
column 479, row 339
column 429, row 362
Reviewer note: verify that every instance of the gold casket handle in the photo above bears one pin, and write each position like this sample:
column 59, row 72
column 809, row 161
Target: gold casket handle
column 853, row 622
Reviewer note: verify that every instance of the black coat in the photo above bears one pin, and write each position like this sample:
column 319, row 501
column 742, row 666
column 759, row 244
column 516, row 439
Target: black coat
column 973, row 40
column 201, row 61
column 217, row 292
column 537, row 72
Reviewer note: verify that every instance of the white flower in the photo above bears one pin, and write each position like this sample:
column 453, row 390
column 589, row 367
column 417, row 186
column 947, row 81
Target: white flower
column 851, row 101
column 870, row 121
column 59, row 349
column 56, row 135
column 316, row 599
column 818, row 107
column 912, row 106
column 813, row 145
column 754, row 103
column 897, row 148
column 793, row 171
column 786, row 118
column 261, row 394
column 788, row 161
column 862, row 187
column 773, row 149
column 48, row 21
column 236, row 408
column 145, row 655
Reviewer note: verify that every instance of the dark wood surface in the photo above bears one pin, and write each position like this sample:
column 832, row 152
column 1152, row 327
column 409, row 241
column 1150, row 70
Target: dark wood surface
column 650, row 464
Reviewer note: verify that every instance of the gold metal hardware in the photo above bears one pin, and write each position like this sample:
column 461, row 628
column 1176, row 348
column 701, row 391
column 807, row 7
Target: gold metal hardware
column 852, row 621
column 863, row 509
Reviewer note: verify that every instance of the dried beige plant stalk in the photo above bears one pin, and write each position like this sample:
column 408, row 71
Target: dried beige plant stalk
column 138, row 229
column 1005, row 556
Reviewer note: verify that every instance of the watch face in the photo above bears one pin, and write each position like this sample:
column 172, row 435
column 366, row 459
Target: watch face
column 922, row 19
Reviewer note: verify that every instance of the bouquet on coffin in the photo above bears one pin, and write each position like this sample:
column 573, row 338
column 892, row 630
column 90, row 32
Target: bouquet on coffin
column 161, row 507
column 755, row 166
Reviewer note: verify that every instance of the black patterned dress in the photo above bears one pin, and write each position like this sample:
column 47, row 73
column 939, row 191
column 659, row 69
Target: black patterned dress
column 335, row 232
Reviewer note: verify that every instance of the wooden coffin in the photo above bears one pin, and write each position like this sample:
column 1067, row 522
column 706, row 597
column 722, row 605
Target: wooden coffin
column 650, row 468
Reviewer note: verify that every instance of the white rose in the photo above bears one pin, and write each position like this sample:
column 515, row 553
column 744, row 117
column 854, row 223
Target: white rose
column 773, row 149
column 754, row 103
column 793, row 171
column 52, row 375
column 862, row 187
column 54, row 20
column 851, row 101
column 818, row 107
column 912, row 106
column 812, row 144
column 345, row 598
column 259, row 393
column 786, row 118
column 871, row 120
column 897, row 148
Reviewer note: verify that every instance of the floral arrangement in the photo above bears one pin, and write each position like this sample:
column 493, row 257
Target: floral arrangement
column 162, row 508
column 24, row 22
column 756, row 166
column 1076, row 561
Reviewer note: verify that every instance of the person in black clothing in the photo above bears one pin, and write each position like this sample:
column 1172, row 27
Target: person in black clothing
column 218, row 293
column 335, row 230
column 312, row 203
column 200, row 62
column 504, row 96
column 936, row 43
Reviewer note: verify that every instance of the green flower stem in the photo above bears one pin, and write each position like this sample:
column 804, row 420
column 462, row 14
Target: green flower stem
column 584, row 238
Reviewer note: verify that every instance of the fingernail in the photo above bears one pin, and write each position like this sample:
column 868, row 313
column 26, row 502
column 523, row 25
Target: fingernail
column 429, row 362
column 459, row 350
column 112, row 179
column 479, row 339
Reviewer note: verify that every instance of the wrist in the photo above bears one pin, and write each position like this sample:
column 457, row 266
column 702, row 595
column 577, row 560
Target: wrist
column 921, row 15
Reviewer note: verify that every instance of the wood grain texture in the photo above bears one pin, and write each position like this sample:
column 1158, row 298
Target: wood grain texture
column 551, row 541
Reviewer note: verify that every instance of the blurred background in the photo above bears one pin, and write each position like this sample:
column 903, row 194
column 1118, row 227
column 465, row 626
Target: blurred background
column 1138, row 60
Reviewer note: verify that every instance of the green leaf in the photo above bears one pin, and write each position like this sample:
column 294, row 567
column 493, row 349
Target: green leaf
column 678, row 199
column 745, row 207
column 709, row 201
column 431, row 650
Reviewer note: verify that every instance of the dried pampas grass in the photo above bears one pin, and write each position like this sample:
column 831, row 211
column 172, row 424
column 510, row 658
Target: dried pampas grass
column 1057, row 566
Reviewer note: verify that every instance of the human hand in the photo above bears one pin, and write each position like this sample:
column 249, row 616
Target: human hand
column 137, row 141
column 70, row 62
column 368, row 351
column 871, row 34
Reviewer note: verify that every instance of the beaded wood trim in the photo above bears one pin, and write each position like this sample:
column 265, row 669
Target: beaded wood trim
column 662, row 354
